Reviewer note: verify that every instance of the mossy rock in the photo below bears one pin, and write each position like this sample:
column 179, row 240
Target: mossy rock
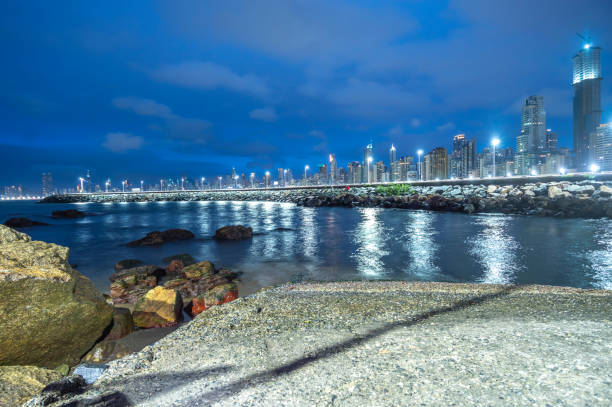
column 50, row 314
column 158, row 308
column 186, row 258
column 122, row 324
column 18, row 384
column 202, row 269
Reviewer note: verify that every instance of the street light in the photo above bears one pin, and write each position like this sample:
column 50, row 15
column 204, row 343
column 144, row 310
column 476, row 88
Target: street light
column 219, row 182
column 534, row 172
column 141, row 185
column 107, row 184
column 183, row 183
column 267, row 179
column 419, row 152
column 81, row 179
column 123, row 185
column 306, row 168
column 562, row 171
column 369, row 161
column 202, row 183
column 494, row 143
column 594, row 168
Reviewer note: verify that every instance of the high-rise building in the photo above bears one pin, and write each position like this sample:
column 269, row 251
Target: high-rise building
column 323, row 174
column 455, row 163
column 393, row 166
column 280, row 177
column 436, row 164
column 468, row 158
column 533, row 123
column 407, row 168
column 380, row 172
column 354, row 172
column 333, row 169
column 47, row 184
column 587, row 101
column 602, row 146
column 521, row 159
column 367, row 164
column 552, row 141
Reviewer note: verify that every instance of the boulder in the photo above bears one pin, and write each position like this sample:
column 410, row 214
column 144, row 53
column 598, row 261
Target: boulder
column 157, row 238
column 146, row 271
column 68, row 214
column 199, row 270
column 18, row 384
column 554, row 191
column 129, row 289
column 605, row 191
column 186, row 258
column 50, row 314
column 160, row 307
column 23, row 223
column 128, row 264
column 234, row 232
column 218, row 295
column 175, row 267
column 122, row 324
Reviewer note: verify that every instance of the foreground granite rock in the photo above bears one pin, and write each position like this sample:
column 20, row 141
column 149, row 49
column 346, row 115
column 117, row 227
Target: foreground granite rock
column 23, row 223
column 380, row 343
column 157, row 238
column 50, row 314
column 18, row 384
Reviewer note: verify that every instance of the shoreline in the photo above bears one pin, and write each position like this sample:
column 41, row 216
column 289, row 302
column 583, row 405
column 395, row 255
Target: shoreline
column 562, row 198
column 354, row 343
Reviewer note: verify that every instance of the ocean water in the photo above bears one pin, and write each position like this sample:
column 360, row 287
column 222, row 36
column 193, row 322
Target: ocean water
column 293, row 243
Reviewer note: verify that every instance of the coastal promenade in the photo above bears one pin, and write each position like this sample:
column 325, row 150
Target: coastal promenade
column 379, row 343
column 575, row 195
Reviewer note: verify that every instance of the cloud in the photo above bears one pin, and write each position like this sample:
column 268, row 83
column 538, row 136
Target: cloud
column 176, row 126
column 414, row 122
column 143, row 107
column 122, row 142
column 207, row 75
column 446, row 126
column 266, row 114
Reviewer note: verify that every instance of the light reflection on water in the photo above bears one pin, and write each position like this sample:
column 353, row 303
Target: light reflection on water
column 495, row 249
column 370, row 244
column 294, row 243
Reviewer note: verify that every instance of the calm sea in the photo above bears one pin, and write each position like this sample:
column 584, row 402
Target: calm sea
column 300, row 244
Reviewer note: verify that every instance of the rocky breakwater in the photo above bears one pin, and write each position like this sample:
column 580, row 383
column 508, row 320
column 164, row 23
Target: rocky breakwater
column 50, row 314
column 587, row 199
column 565, row 197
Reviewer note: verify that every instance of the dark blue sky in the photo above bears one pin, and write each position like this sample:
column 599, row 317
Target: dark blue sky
column 145, row 89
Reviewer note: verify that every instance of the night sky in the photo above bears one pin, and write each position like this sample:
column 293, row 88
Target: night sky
column 140, row 90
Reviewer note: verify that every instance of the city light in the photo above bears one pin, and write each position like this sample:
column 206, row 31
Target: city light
column 594, row 168
column 494, row 143
column 587, row 46
column 81, row 179
column 533, row 172
column 562, row 171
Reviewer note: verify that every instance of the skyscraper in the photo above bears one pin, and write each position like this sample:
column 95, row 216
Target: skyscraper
column 587, row 101
column 602, row 146
column 393, row 164
column 456, row 163
column 468, row 158
column 354, row 172
column 533, row 123
column 552, row 141
column 47, row 184
column 333, row 169
column 521, row 159
column 367, row 164
column 436, row 164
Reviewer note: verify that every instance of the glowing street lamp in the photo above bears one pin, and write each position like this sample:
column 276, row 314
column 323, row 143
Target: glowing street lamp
column 141, row 185
column 252, row 180
column 202, row 183
column 107, row 184
column 219, row 182
column 183, row 183
column 369, row 161
column 81, row 179
column 123, row 185
column 594, row 168
column 267, row 179
column 306, row 168
column 494, row 143
column 419, row 152
column 534, row 172
column 562, row 171
column 508, row 174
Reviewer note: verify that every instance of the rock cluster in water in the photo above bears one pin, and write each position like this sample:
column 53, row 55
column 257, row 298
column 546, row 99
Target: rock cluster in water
column 586, row 198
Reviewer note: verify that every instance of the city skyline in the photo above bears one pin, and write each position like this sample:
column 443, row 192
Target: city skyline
column 152, row 109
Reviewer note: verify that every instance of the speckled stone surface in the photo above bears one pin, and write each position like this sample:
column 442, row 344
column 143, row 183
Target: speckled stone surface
column 381, row 343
